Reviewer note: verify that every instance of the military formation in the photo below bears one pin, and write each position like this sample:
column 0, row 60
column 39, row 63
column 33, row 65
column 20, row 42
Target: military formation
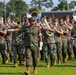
column 31, row 41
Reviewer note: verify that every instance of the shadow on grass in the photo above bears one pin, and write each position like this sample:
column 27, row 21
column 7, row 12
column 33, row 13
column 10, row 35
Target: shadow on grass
column 19, row 73
column 6, row 66
column 65, row 66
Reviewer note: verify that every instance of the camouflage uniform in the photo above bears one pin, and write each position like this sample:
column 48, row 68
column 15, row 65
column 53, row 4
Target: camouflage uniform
column 21, row 48
column 58, row 42
column 18, row 47
column 73, row 33
column 70, row 47
column 49, row 47
column 8, row 39
column 16, row 38
column 64, row 42
column 31, row 44
column 2, row 45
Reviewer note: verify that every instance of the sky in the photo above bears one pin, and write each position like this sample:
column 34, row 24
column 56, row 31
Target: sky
column 28, row 1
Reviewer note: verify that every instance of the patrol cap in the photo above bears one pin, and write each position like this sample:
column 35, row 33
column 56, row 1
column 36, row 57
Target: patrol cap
column 67, row 17
column 56, row 20
column 61, row 20
column 25, row 19
column 49, row 18
column 8, row 17
column 31, row 19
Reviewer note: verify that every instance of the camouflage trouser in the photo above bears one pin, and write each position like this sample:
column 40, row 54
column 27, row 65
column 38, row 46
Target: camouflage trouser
column 3, row 52
column 64, row 48
column 31, row 53
column 8, row 48
column 18, row 52
column 49, row 49
column 69, row 48
column 14, row 53
column 45, row 52
column 52, row 52
column 59, row 51
column 8, row 45
column 74, row 48
column 21, row 52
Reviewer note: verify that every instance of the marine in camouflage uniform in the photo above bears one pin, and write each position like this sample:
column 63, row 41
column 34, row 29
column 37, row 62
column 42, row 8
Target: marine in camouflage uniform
column 21, row 48
column 64, row 39
column 8, row 38
column 31, row 38
column 70, row 47
column 58, row 40
column 15, row 46
column 2, row 42
column 18, row 48
column 73, row 34
column 49, row 47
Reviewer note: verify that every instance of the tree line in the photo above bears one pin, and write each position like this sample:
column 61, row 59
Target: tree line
column 16, row 7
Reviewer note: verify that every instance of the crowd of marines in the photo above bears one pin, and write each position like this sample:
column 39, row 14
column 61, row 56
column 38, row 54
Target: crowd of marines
column 33, row 40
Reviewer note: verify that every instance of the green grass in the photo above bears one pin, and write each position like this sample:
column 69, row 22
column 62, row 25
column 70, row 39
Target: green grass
column 68, row 68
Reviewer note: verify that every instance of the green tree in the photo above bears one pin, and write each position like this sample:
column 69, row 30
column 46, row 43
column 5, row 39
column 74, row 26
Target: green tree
column 63, row 5
column 40, row 3
column 1, row 8
column 55, row 8
column 15, row 7
column 72, row 4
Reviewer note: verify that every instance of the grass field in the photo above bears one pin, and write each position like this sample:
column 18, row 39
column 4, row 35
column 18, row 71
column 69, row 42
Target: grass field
column 68, row 68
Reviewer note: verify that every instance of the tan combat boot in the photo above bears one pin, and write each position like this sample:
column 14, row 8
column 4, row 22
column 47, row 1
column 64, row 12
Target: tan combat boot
column 59, row 61
column 47, row 65
column 15, row 64
column 54, row 62
column 27, row 72
column 24, row 62
column 35, row 70
column 64, row 60
column 6, row 61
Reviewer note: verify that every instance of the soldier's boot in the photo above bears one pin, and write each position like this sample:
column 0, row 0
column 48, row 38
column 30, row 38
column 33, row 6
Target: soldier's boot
column 6, row 61
column 64, row 59
column 20, row 63
column 59, row 61
column 27, row 72
column 24, row 62
column 53, row 62
column 15, row 64
column 35, row 70
column 47, row 65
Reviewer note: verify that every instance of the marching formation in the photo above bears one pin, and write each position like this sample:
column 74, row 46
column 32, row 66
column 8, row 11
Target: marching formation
column 31, row 41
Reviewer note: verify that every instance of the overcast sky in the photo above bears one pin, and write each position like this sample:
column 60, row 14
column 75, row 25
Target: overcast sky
column 28, row 1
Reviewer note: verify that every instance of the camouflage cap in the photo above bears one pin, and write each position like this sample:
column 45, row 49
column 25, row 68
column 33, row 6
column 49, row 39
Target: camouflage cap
column 25, row 19
column 67, row 17
column 61, row 20
column 31, row 19
column 49, row 18
column 56, row 20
